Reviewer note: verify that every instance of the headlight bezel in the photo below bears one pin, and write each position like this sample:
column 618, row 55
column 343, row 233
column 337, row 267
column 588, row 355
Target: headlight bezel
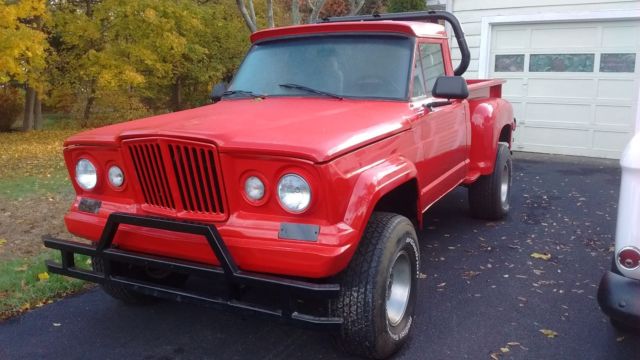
column 300, row 176
column 265, row 189
column 110, row 182
column 96, row 174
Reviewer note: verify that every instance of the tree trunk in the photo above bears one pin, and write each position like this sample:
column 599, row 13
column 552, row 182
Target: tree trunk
column 252, row 12
column 245, row 15
column 295, row 12
column 270, row 13
column 177, row 94
column 37, row 112
column 355, row 6
column 87, row 107
column 316, row 6
column 29, row 102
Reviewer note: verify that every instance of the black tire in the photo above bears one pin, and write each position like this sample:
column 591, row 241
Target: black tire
column 486, row 198
column 367, row 329
column 623, row 327
column 133, row 297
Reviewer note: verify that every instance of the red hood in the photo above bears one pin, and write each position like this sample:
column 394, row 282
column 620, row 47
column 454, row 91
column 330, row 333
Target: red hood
column 313, row 129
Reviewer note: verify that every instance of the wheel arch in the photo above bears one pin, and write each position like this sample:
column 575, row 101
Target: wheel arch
column 390, row 186
column 492, row 122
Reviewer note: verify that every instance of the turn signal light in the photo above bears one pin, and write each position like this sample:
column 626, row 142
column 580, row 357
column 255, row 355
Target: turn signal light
column 629, row 258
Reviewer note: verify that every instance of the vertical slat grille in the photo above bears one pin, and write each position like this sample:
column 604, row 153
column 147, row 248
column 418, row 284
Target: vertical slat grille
column 151, row 176
column 197, row 187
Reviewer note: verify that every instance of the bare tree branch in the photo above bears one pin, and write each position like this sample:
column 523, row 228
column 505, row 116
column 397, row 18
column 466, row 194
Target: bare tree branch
column 245, row 15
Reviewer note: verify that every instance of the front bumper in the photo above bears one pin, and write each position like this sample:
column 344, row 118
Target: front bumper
column 619, row 298
column 290, row 291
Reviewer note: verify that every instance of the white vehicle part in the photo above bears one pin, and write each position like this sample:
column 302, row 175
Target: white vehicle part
column 628, row 227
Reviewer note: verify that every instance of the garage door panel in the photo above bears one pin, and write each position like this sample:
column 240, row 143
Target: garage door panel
column 575, row 88
column 556, row 37
column 618, row 36
column 615, row 116
column 514, row 87
column 616, row 89
column 572, row 138
column 574, row 85
column 566, row 114
column 518, row 110
column 611, row 141
column 512, row 39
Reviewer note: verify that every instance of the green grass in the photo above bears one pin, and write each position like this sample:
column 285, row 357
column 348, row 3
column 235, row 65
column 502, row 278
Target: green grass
column 34, row 186
column 22, row 289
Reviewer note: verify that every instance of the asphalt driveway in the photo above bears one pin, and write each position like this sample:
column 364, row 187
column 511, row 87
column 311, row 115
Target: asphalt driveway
column 482, row 290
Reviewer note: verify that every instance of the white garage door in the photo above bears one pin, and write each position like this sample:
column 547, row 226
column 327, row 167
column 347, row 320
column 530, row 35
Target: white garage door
column 573, row 85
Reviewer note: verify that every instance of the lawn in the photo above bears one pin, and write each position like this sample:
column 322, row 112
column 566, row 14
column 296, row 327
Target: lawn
column 34, row 194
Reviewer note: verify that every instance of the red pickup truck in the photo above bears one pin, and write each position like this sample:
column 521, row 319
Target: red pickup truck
column 297, row 194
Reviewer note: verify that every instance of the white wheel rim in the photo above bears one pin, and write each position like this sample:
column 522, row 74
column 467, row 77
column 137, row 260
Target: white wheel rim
column 398, row 288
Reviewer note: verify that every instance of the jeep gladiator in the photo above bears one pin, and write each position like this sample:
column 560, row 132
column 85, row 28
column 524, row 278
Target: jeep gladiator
column 297, row 194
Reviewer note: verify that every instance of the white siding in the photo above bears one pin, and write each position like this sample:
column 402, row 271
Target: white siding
column 471, row 12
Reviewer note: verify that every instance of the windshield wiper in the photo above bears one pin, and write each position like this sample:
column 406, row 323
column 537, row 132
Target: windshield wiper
column 311, row 90
column 243, row 93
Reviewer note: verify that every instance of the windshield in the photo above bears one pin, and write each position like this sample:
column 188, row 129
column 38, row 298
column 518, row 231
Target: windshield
column 371, row 66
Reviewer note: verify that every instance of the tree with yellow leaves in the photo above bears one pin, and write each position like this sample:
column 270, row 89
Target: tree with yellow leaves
column 22, row 52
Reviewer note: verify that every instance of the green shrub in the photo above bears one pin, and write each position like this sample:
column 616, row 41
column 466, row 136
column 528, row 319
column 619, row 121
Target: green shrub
column 11, row 104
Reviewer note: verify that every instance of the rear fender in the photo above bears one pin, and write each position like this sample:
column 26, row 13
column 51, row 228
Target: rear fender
column 488, row 118
column 373, row 184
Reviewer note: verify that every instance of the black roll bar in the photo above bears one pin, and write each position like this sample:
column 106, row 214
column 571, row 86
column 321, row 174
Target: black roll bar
column 425, row 16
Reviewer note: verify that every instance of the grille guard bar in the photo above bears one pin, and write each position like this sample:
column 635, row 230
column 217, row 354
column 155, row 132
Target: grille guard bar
column 228, row 272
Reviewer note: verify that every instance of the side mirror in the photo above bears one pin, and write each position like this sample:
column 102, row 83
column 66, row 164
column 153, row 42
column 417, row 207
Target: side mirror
column 450, row 87
column 218, row 90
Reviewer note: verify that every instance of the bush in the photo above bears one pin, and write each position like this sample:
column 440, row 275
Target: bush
column 396, row 6
column 11, row 104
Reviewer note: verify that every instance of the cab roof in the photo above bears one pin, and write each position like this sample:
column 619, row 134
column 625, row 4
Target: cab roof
column 410, row 28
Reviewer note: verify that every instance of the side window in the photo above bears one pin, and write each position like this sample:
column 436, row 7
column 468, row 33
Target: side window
column 418, row 80
column 432, row 64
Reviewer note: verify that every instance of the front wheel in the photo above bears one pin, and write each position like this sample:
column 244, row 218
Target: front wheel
column 489, row 196
column 379, row 288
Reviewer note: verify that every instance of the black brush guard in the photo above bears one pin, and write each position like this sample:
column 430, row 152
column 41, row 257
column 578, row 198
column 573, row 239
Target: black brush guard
column 425, row 16
column 289, row 290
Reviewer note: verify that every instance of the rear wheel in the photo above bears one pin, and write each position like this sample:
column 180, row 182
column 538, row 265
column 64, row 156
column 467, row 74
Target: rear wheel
column 623, row 327
column 130, row 296
column 379, row 288
column 489, row 195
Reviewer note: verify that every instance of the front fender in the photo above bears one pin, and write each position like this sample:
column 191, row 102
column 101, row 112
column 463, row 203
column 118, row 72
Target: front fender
column 372, row 185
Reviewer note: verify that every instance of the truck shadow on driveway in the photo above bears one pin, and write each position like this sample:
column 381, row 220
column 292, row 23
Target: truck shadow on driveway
column 481, row 290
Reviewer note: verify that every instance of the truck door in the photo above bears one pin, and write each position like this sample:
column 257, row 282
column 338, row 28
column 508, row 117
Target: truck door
column 442, row 132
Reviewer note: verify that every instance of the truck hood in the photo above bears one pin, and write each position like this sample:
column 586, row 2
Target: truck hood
column 315, row 129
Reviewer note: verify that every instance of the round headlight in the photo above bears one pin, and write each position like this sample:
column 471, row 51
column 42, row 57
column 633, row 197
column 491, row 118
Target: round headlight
column 254, row 188
column 116, row 176
column 86, row 175
column 294, row 193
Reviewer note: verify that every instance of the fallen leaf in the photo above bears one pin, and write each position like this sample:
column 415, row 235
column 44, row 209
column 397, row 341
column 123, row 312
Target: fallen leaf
column 43, row 276
column 549, row 333
column 513, row 343
column 56, row 324
column 494, row 356
column 504, row 349
column 542, row 256
column 3, row 241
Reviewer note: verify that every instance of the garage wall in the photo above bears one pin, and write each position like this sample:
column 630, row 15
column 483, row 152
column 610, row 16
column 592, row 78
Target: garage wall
column 471, row 12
